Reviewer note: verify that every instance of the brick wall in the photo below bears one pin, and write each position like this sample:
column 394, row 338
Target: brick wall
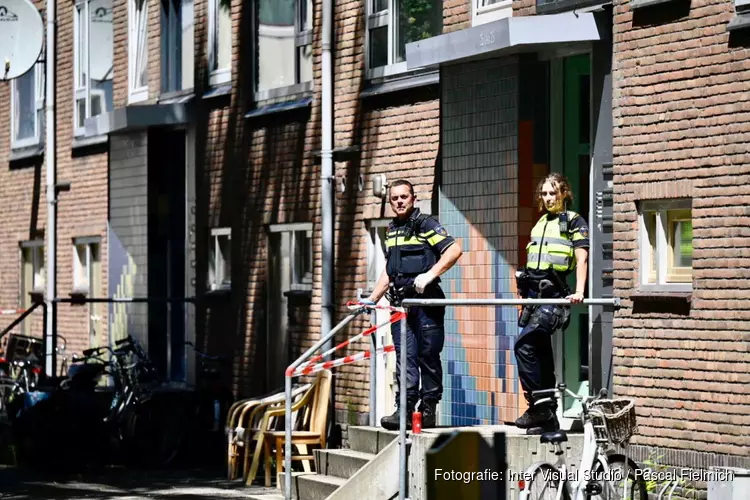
column 678, row 81
column 82, row 211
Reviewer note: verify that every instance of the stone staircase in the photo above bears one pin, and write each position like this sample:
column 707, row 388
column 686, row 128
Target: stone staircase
column 335, row 467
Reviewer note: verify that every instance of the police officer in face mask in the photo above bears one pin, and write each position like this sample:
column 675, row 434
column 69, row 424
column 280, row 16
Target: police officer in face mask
column 418, row 251
column 559, row 245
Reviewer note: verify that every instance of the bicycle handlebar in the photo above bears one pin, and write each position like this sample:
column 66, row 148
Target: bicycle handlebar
column 562, row 390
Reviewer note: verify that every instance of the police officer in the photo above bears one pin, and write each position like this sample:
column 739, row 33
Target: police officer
column 559, row 245
column 418, row 250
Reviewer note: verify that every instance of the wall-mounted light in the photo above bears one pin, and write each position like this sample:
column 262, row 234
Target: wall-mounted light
column 379, row 185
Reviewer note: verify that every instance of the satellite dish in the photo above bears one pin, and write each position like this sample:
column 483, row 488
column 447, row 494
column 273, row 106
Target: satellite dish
column 21, row 37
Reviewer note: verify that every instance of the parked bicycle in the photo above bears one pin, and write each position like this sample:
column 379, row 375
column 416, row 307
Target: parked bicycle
column 600, row 474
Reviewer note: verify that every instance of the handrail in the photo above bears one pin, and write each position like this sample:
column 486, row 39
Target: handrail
column 288, row 375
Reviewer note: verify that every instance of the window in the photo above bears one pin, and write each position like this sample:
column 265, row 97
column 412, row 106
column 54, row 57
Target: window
column 666, row 244
column 92, row 27
column 27, row 107
column 284, row 43
column 32, row 268
column 138, row 50
column 219, row 41
column 85, row 264
column 302, row 258
column 220, row 259
column 486, row 11
column 376, row 251
column 177, row 52
column 391, row 24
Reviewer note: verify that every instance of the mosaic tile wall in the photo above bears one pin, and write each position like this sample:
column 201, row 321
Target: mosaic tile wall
column 479, row 206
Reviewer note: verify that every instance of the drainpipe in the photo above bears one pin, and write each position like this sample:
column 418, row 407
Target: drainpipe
column 327, row 177
column 49, row 158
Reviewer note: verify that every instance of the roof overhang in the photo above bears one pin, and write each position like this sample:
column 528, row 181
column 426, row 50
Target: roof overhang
column 504, row 36
column 139, row 117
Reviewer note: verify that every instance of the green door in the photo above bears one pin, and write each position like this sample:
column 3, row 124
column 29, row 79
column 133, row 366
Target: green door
column 571, row 146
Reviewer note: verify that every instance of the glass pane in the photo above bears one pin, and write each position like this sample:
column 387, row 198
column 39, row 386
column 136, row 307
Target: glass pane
column 683, row 247
column 276, row 46
column 224, row 38
column 225, row 247
column 379, row 47
column 378, row 5
column 187, row 42
column 417, row 20
column 141, row 63
column 24, row 105
column 81, row 112
column 306, row 15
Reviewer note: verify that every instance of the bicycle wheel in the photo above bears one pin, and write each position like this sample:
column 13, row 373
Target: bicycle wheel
column 615, row 482
column 543, row 484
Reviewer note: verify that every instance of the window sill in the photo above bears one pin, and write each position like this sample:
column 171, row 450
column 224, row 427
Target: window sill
column 740, row 21
column 640, row 4
column 218, row 91
column 220, row 77
column 80, row 143
column 176, row 97
column 279, row 107
column 665, row 294
column 138, row 96
column 25, row 153
column 287, row 93
column 403, row 81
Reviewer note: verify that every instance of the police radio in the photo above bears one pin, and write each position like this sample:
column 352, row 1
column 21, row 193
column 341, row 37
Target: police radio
column 563, row 219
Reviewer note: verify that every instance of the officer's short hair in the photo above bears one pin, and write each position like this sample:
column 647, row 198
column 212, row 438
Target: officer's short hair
column 402, row 182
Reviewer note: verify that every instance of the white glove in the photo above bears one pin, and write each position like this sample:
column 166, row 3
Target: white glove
column 421, row 281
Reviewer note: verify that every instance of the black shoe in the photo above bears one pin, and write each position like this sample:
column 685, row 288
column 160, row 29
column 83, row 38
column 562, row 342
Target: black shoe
column 391, row 422
column 548, row 426
column 537, row 415
column 429, row 413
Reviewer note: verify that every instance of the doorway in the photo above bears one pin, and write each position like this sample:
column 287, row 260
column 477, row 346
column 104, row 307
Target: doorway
column 166, row 250
column 571, row 155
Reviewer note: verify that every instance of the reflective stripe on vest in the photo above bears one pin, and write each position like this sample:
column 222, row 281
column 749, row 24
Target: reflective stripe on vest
column 548, row 249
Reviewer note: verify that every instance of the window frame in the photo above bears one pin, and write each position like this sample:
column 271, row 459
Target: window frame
column 38, row 116
column 217, row 76
column 662, row 253
column 302, row 38
column 374, row 20
column 38, row 264
column 221, row 279
column 88, row 242
column 172, row 43
column 136, row 93
column 306, row 283
column 482, row 14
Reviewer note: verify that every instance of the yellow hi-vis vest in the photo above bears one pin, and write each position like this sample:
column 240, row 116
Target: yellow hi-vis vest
column 548, row 248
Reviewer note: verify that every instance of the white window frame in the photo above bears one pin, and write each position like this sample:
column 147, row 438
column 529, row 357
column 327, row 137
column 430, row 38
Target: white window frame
column 137, row 22
column 306, row 282
column 88, row 243
column 375, row 248
column 39, row 76
column 219, row 278
column 482, row 13
column 378, row 20
column 39, row 269
column 217, row 76
column 662, row 281
column 302, row 38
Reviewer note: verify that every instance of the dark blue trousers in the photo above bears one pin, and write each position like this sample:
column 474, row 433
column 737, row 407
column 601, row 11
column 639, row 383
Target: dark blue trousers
column 425, row 336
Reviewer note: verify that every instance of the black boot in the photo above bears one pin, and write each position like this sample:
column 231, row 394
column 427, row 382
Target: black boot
column 391, row 422
column 428, row 407
column 541, row 414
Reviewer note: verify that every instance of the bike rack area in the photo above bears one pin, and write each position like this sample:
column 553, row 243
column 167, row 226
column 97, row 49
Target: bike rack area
column 297, row 368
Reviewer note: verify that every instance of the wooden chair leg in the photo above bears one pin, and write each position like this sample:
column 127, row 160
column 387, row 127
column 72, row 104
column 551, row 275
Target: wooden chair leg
column 257, row 450
column 279, row 460
column 306, row 466
column 267, row 454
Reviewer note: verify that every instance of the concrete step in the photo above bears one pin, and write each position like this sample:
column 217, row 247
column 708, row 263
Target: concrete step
column 369, row 439
column 295, row 485
column 340, row 463
column 266, row 497
column 317, row 486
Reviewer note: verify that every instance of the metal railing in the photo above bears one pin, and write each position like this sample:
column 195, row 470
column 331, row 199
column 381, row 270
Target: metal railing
column 403, row 441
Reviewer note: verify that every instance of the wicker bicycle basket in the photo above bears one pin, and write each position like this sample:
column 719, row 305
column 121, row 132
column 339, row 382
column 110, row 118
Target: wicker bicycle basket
column 619, row 423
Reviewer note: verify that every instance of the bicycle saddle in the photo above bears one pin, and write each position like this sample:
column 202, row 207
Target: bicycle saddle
column 554, row 437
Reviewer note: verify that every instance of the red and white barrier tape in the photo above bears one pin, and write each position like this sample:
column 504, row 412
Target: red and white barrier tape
column 369, row 331
column 311, row 369
column 11, row 311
